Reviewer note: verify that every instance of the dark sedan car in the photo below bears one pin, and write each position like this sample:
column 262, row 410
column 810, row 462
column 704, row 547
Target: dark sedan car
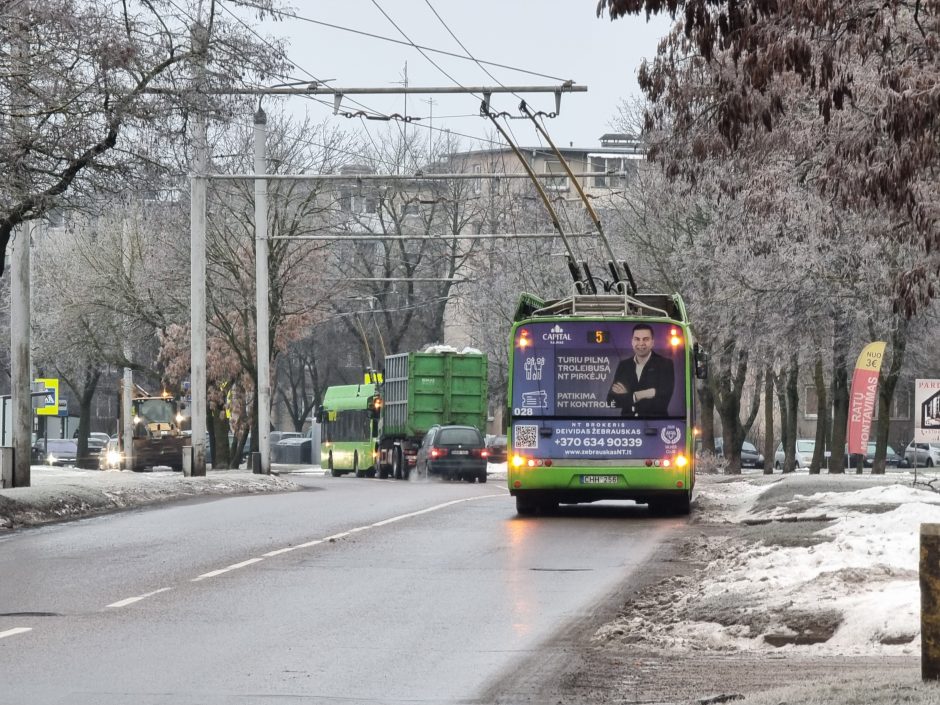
column 55, row 451
column 496, row 447
column 750, row 456
column 454, row 453
column 892, row 459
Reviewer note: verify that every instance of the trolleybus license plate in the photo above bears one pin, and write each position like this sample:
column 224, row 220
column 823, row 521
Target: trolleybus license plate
column 600, row 479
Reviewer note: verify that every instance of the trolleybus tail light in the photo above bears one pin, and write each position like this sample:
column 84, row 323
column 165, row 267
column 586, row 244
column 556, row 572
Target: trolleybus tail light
column 666, row 462
column 675, row 338
column 681, row 461
column 548, row 463
column 524, row 338
column 518, row 461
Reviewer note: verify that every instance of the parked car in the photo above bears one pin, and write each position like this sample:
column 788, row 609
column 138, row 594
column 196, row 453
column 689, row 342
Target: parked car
column 892, row 459
column 103, row 437
column 278, row 436
column 111, row 457
column 804, row 453
column 55, row 451
column 750, row 456
column 92, row 458
column 453, row 452
column 496, row 446
column 927, row 454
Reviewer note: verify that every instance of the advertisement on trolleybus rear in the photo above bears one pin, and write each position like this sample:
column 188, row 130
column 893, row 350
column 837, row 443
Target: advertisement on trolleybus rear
column 600, row 409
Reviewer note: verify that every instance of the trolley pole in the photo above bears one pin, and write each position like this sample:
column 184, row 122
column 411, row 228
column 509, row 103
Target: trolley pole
column 263, row 362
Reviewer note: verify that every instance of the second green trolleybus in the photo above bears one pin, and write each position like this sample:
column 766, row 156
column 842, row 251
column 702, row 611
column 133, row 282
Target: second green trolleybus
column 601, row 402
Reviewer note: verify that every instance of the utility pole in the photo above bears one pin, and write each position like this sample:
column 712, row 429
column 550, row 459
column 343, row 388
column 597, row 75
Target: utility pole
column 430, row 102
column 197, row 214
column 404, row 130
column 21, row 378
column 263, row 361
column 127, row 388
column 20, row 369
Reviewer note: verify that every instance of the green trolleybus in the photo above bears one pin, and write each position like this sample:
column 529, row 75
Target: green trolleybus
column 601, row 400
column 349, row 429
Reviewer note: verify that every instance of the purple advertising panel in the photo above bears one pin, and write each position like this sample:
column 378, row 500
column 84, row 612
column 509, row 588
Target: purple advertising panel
column 608, row 369
column 601, row 439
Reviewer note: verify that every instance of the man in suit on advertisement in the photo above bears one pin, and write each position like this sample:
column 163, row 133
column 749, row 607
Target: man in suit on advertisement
column 643, row 384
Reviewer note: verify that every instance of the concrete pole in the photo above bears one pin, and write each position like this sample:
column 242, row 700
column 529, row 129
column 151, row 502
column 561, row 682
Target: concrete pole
column 197, row 215
column 261, row 293
column 930, row 601
column 198, row 295
column 127, row 388
column 21, row 374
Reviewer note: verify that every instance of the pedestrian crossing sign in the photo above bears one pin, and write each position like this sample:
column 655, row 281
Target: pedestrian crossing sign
column 50, row 403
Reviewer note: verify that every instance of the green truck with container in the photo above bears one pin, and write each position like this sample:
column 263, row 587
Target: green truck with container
column 423, row 389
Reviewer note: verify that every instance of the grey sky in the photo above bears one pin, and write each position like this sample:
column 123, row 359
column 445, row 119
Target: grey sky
column 559, row 38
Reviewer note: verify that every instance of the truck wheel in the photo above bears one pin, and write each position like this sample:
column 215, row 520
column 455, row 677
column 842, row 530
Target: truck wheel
column 383, row 469
column 359, row 473
column 329, row 465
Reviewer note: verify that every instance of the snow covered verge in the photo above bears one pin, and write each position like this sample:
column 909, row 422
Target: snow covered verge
column 57, row 494
column 817, row 565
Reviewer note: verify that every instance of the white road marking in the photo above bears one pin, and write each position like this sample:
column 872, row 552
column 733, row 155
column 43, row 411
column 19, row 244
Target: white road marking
column 15, row 631
column 342, row 534
column 132, row 600
column 236, row 566
column 279, row 551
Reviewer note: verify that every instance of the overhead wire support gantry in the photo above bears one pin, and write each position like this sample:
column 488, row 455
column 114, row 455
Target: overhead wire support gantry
column 199, row 178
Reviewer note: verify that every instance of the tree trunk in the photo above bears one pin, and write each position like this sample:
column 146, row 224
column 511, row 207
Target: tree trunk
column 786, row 434
column 886, row 387
column 218, row 436
column 768, row 421
column 85, row 394
column 84, row 410
column 731, row 385
column 822, row 416
column 706, row 400
column 793, row 405
column 840, row 395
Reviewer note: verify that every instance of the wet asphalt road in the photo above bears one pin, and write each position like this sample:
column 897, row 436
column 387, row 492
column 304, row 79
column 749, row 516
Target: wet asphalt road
column 355, row 591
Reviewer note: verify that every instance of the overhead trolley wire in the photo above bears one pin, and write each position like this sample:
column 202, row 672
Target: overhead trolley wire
column 392, row 40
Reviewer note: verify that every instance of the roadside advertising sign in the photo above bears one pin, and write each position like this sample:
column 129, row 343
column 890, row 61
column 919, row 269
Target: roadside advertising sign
column 864, row 396
column 927, row 411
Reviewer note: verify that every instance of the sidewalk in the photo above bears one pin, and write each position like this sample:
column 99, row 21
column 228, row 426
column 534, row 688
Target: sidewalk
column 59, row 494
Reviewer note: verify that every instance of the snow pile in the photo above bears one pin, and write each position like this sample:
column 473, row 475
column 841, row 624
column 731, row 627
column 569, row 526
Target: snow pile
column 440, row 348
column 825, row 573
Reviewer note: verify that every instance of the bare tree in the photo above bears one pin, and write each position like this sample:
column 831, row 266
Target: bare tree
column 77, row 110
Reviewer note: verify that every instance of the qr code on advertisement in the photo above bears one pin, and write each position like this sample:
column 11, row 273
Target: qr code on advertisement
column 525, row 437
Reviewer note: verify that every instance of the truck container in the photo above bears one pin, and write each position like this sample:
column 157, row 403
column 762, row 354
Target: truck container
column 424, row 389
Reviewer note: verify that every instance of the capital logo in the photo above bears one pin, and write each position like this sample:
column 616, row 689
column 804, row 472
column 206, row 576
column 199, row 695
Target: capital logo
column 557, row 335
column 670, row 435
